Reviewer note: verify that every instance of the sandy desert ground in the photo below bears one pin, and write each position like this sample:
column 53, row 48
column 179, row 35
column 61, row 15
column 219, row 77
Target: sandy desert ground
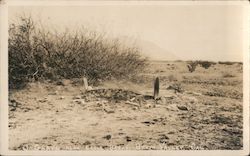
column 199, row 110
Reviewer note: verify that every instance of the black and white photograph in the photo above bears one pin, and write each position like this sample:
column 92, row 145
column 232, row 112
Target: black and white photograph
column 126, row 76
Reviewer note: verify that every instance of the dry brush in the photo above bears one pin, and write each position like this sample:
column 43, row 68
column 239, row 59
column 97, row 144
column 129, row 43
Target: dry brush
column 36, row 53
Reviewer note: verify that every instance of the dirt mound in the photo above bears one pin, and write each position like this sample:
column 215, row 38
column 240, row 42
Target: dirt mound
column 112, row 94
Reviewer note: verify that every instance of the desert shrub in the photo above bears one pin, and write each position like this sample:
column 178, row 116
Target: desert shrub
column 193, row 64
column 226, row 62
column 206, row 64
column 240, row 63
column 36, row 53
column 177, row 87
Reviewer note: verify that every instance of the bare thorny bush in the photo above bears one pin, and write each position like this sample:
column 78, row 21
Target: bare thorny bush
column 39, row 54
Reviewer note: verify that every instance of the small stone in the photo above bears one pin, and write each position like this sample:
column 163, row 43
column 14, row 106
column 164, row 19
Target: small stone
column 43, row 100
column 87, row 143
column 12, row 109
column 163, row 136
column 53, row 93
column 171, row 132
column 163, row 100
column 62, row 97
column 79, row 101
column 192, row 99
column 170, row 144
column 77, row 97
column 109, row 111
column 59, row 83
column 89, row 88
column 135, row 108
column 148, row 105
column 65, row 82
column 182, row 108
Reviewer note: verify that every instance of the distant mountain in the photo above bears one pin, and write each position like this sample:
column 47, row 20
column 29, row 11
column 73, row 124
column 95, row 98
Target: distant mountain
column 154, row 52
column 150, row 49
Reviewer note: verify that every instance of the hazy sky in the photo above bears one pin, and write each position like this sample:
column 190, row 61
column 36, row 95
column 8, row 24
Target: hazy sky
column 207, row 32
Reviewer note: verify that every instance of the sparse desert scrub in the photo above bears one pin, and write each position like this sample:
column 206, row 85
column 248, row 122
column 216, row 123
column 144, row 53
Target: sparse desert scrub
column 226, row 92
column 210, row 101
column 227, row 75
column 177, row 87
column 206, row 64
column 36, row 53
column 228, row 62
column 193, row 64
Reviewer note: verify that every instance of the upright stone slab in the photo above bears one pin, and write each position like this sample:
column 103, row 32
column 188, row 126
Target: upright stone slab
column 85, row 83
column 156, row 88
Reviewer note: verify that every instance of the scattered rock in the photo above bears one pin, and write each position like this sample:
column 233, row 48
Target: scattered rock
column 13, row 109
column 59, row 83
column 163, row 100
column 170, row 97
column 109, row 111
column 105, row 147
column 108, row 137
column 193, row 100
column 90, row 88
column 76, row 97
column 171, row 132
column 102, row 102
column 163, row 141
column 170, row 144
column 62, row 97
column 53, row 93
column 211, row 103
column 81, row 102
column 26, row 110
column 63, row 82
column 135, row 108
column 163, row 136
column 87, row 143
column 133, row 99
column 184, row 108
column 13, row 103
column 149, row 122
column 149, row 105
column 43, row 100
column 158, row 120
column 128, row 139
column 132, row 103
column 193, row 93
